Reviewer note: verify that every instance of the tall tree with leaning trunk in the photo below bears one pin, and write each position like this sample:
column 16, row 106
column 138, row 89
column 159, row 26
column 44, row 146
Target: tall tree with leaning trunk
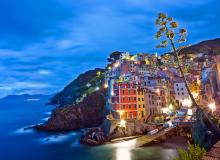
column 172, row 35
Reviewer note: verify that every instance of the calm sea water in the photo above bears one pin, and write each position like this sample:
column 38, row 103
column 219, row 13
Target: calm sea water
column 17, row 143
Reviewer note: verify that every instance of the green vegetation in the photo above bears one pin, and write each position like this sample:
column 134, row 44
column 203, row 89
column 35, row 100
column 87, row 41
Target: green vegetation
column 194, row 152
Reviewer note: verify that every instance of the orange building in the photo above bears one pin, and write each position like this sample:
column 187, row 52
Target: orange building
column 124, row 100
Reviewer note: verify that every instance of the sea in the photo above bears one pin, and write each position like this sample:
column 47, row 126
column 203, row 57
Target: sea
column 19, row 143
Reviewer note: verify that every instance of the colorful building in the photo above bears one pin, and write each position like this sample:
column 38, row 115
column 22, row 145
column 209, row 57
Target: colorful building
column 141, row 112
column 124, row 100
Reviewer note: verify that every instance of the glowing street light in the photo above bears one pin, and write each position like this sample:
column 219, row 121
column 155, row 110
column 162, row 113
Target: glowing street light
column 170, row 107
column 116, row 64
column 158, row 91
column 97, row 88
column 105, row 85
column 212, row 107
column 122, row 123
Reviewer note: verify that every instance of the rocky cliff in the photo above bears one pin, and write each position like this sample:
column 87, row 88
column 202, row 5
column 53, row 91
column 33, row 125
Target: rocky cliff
column 88, row 113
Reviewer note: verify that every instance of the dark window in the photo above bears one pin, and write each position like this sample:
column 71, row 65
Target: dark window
column 182, row 93
column 138, row 99
column 135, row 98
column 142, row 99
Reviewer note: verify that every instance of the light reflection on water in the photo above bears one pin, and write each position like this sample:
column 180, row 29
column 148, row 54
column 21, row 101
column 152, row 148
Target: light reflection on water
column 123, row 149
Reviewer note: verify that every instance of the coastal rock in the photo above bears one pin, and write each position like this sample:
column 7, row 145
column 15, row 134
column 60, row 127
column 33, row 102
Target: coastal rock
column 88, row 113
column 133, row 127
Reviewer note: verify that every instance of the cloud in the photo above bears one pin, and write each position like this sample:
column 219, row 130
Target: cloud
column 44, row 72
column 47, row 43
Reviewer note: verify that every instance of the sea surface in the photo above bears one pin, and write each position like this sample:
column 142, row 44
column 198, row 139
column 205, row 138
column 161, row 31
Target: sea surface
column 17, row 143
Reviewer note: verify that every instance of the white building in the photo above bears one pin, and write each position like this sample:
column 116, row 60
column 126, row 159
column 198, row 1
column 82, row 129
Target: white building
column 180, row 91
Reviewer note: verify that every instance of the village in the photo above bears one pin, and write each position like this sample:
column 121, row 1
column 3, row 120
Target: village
column 149, row 88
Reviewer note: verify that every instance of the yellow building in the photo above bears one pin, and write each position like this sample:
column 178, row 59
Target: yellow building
column 141, row 112
column 195, row 88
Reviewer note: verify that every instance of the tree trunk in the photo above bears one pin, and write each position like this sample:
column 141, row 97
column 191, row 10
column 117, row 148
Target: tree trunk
column 183, row 76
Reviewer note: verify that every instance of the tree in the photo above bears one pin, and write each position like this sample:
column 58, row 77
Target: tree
column 194, row 152
column 173, row 36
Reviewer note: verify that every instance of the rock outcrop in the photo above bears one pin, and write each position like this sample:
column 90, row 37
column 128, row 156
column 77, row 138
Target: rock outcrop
column 88, row 113
column 110, row 129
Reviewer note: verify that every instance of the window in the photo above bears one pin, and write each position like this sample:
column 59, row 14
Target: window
column 177, row 85
column 123, row 106
column 123, row 91
column 129, row 106
column 149, row 95
column 129, row 92
column 182, row 89
column 142, row 99
column 139, row 106
column 134, row 92
column 143, row 106
column 135, row 106
column 129, row 99
column 182, row 93
column 135, row 98
column 178, row 93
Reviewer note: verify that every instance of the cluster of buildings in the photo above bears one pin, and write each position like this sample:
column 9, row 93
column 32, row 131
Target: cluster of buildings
column 143, row 86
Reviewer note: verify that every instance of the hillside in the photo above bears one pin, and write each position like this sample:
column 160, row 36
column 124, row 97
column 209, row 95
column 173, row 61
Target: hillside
column 84, row 83
column 25, row 98
column 208, row 47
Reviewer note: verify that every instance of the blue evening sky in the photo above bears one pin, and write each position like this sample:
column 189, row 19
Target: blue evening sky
column 44, row 44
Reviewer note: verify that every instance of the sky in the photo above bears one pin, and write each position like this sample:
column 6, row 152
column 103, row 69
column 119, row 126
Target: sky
column 45, row 44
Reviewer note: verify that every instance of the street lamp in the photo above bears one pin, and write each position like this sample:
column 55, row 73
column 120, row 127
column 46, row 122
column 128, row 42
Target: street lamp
column 170, row 107
column 116, row 64
column 212, row 107
column 105, row 85
column 122, row 123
